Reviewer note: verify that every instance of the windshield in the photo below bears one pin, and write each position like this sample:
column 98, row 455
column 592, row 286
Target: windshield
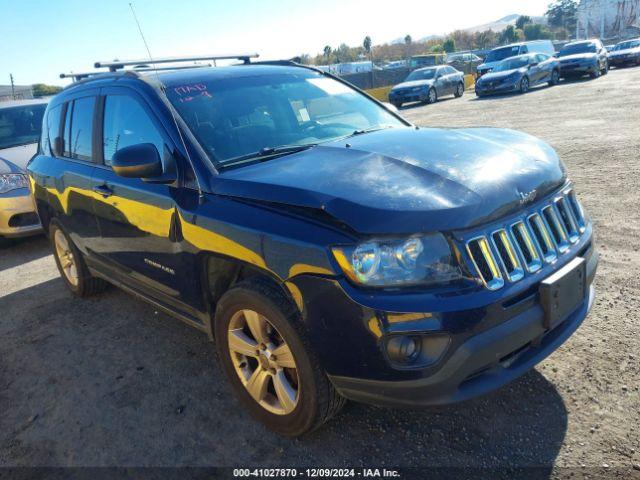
column 417, row 62
column 20, row 125
column 627, row 45
column 502, row 53
column 421, row 75
column 577, row 48
column 235, row 116
column 512, row 64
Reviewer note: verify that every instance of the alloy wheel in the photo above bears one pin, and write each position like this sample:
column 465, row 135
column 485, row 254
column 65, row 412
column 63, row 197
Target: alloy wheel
column 460, row 90
column 432, row 96
column 555, row 77
column 524, row 85
column 66, row 258
column 264, row 362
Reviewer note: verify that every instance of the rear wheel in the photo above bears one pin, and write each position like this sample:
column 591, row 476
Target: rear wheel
column 71, row 264
column 269, row 362
column 398, row 105
column 605, row 70
column 459, row 90
column 524, row 85
column 555, row 78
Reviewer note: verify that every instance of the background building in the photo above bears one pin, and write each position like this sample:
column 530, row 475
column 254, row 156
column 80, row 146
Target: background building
column 608, row 19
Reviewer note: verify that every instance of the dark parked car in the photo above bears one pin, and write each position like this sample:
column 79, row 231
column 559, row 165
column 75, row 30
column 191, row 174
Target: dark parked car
column 518, row 74
column 332, row 249
column 625, row 53
column 586, row 57
column 428, row 85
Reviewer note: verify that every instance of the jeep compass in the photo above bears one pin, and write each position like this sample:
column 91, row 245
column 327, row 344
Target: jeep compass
column 333, row 250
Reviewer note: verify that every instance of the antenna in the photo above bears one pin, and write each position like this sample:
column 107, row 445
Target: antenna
column 173, row 115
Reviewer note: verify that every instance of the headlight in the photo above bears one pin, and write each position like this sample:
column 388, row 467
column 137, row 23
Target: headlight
column 419, row 260
column 12, row 181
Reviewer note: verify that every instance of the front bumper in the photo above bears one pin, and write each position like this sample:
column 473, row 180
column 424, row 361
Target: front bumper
column 17, row 214
column 488, row 89
column 494, row 336
column 578, row 69
column 406, row 97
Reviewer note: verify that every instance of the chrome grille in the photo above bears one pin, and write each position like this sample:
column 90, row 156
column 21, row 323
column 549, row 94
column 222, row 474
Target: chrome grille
column 526, row 245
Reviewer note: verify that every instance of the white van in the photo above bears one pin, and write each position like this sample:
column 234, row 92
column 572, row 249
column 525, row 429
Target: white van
column 496, row 55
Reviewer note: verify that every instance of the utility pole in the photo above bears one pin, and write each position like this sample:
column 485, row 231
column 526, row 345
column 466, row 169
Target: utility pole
column 13, row 90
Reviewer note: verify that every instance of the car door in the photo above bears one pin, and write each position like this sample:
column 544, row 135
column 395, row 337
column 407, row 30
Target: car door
column 535, row 70
column 546, row 63
column 69, row 175
column 137, row 218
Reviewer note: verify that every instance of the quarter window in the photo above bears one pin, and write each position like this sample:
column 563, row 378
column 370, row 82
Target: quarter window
column 126, row 123
column 51, row 129
column 79, row 129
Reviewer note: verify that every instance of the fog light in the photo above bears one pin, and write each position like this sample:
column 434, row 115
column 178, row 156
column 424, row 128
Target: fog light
column 403, row 349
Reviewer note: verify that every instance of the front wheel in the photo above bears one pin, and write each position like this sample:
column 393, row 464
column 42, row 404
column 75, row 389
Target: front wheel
column 398, row 105
column 71, row 264
column 555, row 78
column 459, row 90
column 269, row 362
column 605, row 70
column 524, row 85
column 595, row 74
column 432, row 96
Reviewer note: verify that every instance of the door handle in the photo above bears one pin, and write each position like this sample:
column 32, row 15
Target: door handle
column 103, row 190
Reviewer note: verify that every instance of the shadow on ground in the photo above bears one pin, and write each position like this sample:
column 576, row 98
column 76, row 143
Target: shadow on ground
column 110, row 381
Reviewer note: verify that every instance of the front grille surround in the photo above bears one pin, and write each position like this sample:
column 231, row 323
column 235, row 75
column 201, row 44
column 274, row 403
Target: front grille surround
column 524, row 245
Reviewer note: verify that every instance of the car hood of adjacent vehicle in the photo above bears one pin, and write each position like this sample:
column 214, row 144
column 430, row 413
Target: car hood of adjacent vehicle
column 412, row 84
column 488, row 66
column 493, row 76
column 406, row 180
column 579, row 57
column 15, row 159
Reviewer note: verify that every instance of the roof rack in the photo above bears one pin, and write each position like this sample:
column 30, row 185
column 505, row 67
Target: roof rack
column 118, row 65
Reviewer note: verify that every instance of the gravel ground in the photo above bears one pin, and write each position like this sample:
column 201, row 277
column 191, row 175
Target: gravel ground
column 109, row 381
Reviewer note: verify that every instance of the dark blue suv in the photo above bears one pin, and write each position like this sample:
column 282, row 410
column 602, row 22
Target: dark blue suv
column 333, row 250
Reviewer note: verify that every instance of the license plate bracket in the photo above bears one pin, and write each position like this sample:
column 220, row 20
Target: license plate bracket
column 562, row 292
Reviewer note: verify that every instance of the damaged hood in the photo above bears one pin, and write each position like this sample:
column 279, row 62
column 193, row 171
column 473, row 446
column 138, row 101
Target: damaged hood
column 406, row 180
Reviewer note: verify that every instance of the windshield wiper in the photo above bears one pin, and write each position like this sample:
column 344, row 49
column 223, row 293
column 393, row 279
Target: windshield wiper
column 367, row 130
column 265, row 153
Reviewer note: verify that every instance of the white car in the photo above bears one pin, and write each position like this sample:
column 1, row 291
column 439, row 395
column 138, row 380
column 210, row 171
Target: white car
column 20, row 126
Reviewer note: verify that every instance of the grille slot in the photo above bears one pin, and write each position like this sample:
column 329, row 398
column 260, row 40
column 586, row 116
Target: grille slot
column 556, row 228
column 541, row 236
column 526, row 247
column 576, row 209
column 485, row 263
column 566, row 216
column 507, row 255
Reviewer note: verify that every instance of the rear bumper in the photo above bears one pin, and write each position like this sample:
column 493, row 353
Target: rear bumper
column 482, row 363
column 17, row 215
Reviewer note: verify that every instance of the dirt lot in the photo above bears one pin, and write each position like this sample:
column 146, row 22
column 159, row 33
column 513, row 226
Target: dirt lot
column 109, row 381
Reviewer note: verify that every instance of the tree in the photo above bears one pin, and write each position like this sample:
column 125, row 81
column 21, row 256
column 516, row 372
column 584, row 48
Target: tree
column 449, row 45
column 408, row 40
column 522, row 21
column 509, row 35
column 327, row 51
column 42, row 90
column 536, row 31
column 367, row 44
column 563, row 14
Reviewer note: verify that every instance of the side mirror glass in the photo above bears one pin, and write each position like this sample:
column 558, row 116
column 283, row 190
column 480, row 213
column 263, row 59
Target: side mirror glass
column 137, row 161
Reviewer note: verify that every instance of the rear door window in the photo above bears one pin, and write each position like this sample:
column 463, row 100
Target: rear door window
column 127, row 123
column 78, row 132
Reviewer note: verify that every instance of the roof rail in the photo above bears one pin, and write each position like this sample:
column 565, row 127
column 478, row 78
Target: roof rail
column 117, row 64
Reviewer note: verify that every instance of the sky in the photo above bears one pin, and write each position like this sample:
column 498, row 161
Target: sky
column 43, row 38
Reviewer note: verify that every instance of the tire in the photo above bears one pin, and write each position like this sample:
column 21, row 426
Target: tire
column 82, row 284
column 258, row 303
column 555, row 78
column 595, row 74
column 398, row 105
column 605, row 70
column 432, row 96
column 459, row 90
column 524, row 85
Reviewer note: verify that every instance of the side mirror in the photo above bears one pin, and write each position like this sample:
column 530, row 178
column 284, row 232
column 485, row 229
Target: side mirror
column 137, row 161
